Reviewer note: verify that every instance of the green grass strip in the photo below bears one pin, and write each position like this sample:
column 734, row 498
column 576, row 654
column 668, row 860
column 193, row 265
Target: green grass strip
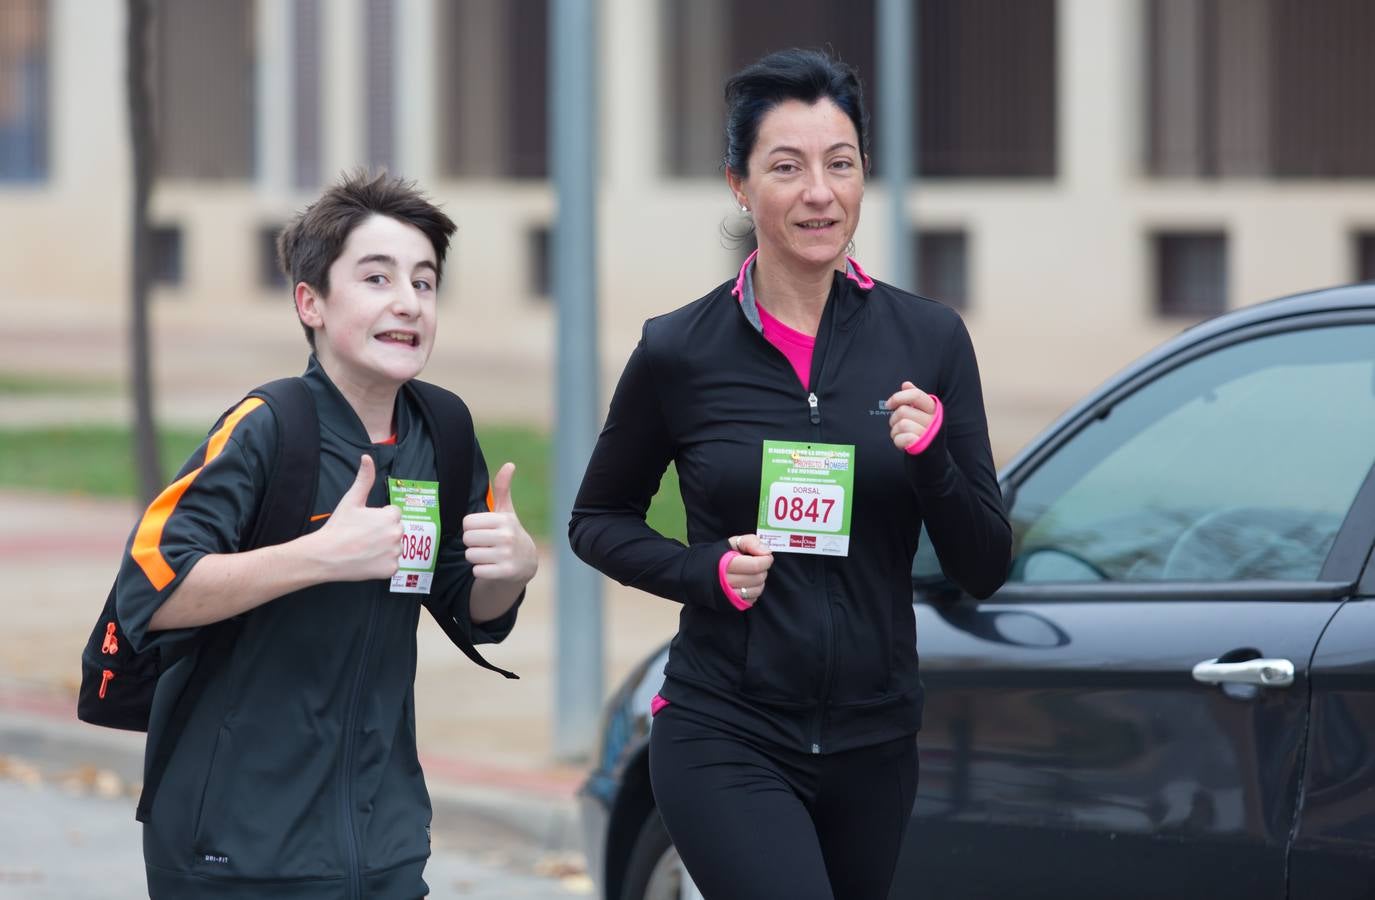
column 13, row 384
column 88, row 460
column 97, row 461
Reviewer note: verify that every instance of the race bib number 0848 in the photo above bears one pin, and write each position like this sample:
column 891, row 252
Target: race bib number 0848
column 419, row 505
column 418, row 540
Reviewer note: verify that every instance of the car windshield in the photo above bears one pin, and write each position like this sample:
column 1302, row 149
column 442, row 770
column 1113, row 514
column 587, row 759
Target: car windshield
column 1240, row 464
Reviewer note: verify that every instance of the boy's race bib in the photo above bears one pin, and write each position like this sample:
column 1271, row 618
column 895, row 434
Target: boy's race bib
column 419, row 505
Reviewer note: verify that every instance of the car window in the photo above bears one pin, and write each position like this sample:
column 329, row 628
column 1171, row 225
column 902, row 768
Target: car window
column 1240, row 464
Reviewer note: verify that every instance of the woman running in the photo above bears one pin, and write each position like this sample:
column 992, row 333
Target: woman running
column 818, row 419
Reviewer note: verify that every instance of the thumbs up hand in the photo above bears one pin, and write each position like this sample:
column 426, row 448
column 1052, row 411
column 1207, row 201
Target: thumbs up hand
column 499, row 547
column 501, row 489
column 361, row 542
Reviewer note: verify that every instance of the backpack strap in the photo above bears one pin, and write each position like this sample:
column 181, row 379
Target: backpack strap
column 288, row 501
column 450, row 425
column 290, row 496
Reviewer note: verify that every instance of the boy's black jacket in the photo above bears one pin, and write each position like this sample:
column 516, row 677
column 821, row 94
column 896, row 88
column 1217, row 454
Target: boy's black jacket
column 292, row 767
column 826, row 659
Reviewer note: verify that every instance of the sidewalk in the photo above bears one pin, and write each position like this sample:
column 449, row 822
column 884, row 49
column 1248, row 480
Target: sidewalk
column 485, row 741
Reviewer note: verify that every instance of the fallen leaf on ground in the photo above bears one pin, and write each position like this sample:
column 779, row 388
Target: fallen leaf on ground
column 20, row 771
column 561, row 865
column 577, row 884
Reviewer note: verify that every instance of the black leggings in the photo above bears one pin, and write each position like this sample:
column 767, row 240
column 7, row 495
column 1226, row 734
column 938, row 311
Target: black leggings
column 754, row 821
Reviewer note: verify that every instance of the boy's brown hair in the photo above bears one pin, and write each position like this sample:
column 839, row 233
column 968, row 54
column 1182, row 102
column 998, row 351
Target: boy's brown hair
column 313, row 240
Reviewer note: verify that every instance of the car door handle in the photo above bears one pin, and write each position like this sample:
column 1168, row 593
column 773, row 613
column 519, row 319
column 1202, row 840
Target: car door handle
column 1264, row 672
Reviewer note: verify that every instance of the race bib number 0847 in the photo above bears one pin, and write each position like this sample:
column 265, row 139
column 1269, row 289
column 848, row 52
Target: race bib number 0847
column 805, row 494
column 820, row 507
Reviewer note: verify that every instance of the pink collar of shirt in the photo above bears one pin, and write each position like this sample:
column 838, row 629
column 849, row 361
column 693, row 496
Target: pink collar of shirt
column 744, row 285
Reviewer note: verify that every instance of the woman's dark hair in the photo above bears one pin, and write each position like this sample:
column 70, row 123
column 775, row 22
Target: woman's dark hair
column 796, row 74
column 310, row 244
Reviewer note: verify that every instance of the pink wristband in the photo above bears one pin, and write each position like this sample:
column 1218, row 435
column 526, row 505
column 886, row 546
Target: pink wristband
column 929, row 435
column 729, row 591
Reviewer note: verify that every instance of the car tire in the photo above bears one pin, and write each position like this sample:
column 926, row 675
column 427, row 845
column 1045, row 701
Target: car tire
column 654, row 871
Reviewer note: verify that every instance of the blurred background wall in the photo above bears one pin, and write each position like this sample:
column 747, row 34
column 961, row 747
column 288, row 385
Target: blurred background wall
column 1093, row 175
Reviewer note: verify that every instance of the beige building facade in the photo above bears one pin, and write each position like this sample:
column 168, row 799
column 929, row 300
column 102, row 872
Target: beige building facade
column 1158, row 172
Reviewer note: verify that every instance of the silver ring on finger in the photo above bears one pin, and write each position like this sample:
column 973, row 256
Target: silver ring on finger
column 744, row 593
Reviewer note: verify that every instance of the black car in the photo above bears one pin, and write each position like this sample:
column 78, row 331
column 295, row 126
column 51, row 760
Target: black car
column 1174, row 694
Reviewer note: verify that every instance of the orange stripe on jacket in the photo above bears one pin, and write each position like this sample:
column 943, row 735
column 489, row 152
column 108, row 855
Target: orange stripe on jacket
column 491, row 501
column 147, row 549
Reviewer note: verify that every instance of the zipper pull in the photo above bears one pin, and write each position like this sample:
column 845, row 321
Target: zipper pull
column 110, row 645
column 815, row 407
column 105, row 678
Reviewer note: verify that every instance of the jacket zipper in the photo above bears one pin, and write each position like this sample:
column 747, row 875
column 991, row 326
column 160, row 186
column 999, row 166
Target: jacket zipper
column 819, row 562
column 814, row 416
column 350, row 732
column 819, row 565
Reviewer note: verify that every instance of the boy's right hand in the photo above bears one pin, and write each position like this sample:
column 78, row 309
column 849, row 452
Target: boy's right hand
column 361, row 542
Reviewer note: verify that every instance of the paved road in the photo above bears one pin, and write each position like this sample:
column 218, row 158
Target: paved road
column 70, row 843
column 67, row 829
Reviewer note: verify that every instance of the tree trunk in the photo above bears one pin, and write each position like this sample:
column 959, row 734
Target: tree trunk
column 140, row 88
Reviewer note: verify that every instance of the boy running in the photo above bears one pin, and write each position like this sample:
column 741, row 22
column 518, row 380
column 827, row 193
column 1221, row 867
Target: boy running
column 293, row 773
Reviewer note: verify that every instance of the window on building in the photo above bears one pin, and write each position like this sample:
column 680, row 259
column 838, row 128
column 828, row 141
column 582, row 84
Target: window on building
column 165, row 256
column 1365, row 255
column 985, row 84
column 538, row 244
column 204, row 89
column 1190, row 273
column 494, row 92
column 23, row 90
column 306, row 61
column 707, row 40
column 269, row 273
column 378, row 36
column 943, row 266
column 1259, row 88
column 987, row 88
